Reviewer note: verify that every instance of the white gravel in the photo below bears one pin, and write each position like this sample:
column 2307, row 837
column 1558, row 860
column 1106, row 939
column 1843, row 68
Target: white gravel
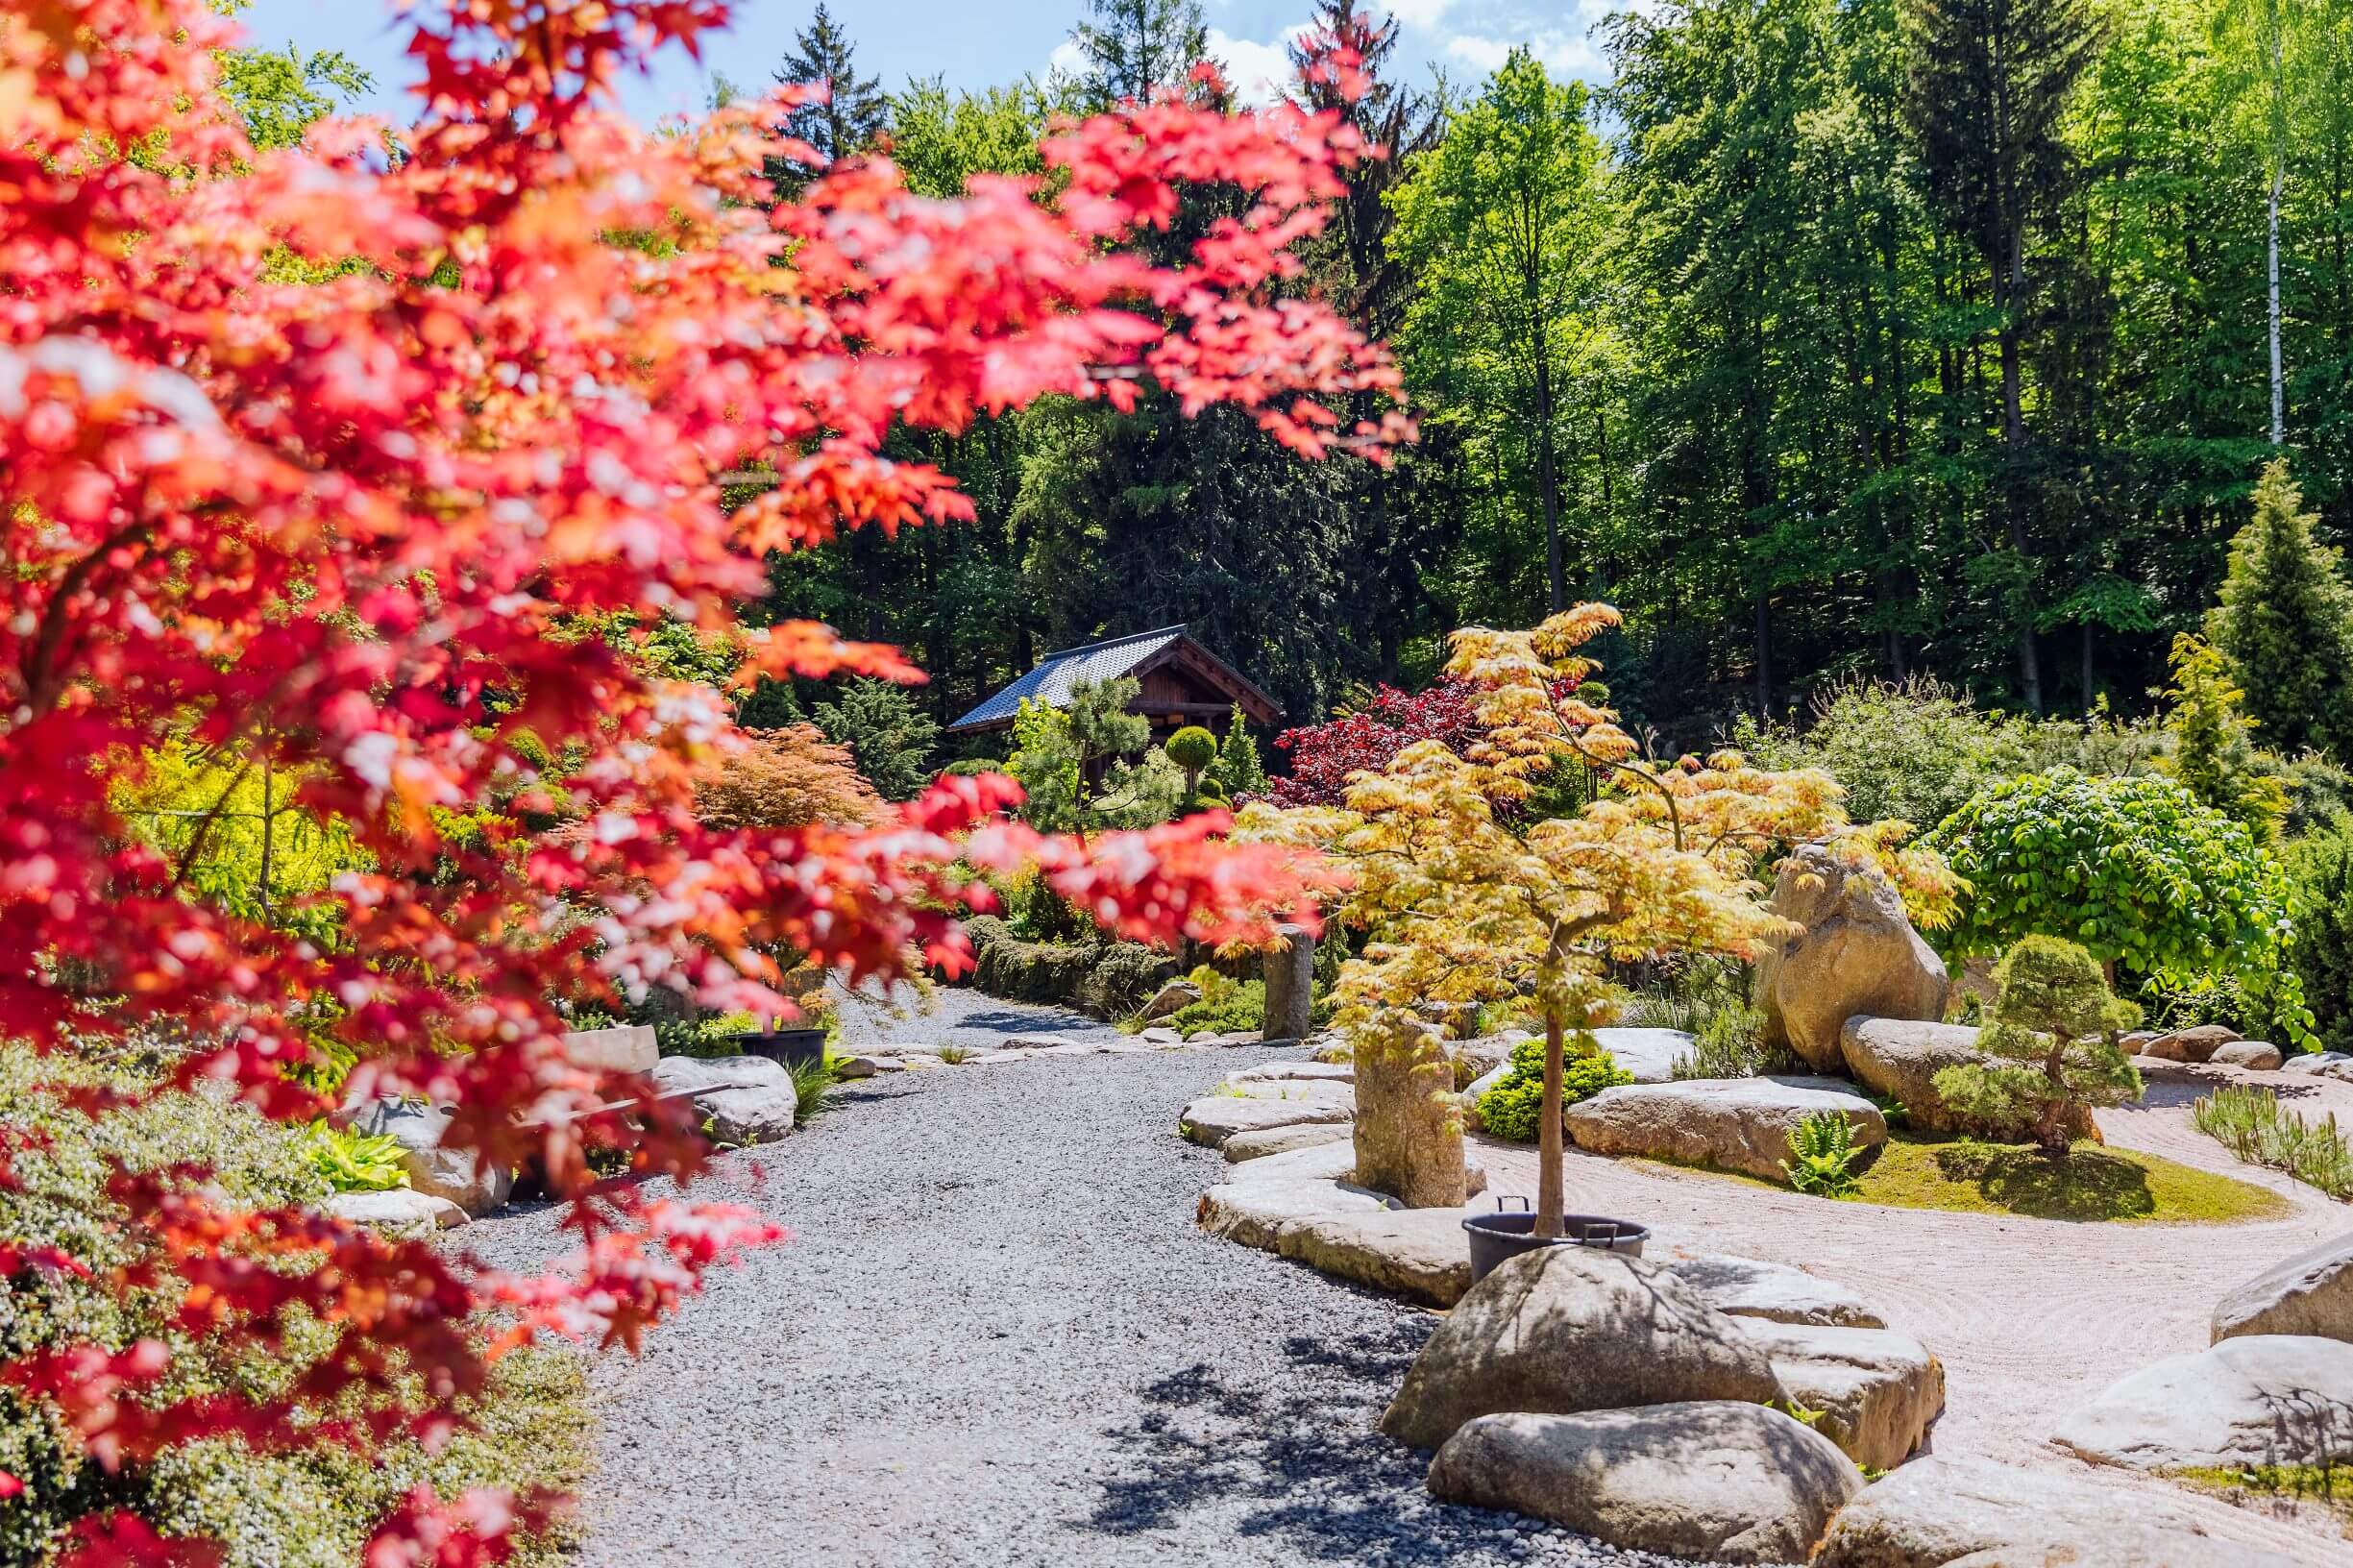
column 998, row 1340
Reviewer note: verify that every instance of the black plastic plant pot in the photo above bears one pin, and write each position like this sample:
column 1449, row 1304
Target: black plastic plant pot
column 1499, row 1237
column 790, row 1048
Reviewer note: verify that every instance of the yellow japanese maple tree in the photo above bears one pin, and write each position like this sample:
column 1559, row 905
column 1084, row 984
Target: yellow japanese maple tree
column 1464, row 905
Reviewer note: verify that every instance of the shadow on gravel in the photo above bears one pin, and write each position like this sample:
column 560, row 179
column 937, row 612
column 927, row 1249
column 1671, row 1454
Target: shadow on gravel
column 1299, row 1453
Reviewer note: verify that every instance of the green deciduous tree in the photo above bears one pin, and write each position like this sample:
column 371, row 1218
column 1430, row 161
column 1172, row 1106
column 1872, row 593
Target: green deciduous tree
column 1501, row 221
column 2051, row 1044
column 2286, row 624
column 2134, row 870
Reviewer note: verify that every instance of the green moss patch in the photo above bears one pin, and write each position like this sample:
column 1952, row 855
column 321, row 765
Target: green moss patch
column 2093, row 1182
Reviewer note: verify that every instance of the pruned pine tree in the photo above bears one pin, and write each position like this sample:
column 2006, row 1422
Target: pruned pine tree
column 2051, row 1049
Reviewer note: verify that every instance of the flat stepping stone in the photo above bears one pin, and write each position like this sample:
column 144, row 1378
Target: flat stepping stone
column 1749, row 1287
column 1255, row 1213
column 1213, row 1118
column 1877, row 1390
column 1716, row 1479
column 1273, row 1140
column 1420, row 1254
column 1332, row 1072
column 1937, row 1511
column 1739, row 1124
column 2256, row 1399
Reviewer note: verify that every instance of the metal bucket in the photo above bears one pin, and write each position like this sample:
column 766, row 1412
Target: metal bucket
column 1498, row 1237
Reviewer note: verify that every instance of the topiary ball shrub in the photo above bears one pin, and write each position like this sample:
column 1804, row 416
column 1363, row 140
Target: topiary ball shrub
column 1191, row 748
column 2134, row 869
column 1514, row 1108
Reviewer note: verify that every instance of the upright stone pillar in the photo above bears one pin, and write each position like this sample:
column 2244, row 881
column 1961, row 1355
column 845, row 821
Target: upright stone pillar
column 1289, row 969
column 1408, row 1133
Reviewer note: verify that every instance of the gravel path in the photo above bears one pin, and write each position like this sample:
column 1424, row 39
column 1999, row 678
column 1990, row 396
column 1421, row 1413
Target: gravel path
column 998, row 1339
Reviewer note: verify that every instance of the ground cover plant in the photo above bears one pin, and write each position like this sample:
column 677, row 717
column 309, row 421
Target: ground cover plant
column 349, row 469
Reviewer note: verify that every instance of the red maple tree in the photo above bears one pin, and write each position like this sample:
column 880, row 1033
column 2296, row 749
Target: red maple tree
column 1324, row 756
column 311, row 458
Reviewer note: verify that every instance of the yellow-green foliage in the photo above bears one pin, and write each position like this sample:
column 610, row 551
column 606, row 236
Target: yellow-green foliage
column 227, row 808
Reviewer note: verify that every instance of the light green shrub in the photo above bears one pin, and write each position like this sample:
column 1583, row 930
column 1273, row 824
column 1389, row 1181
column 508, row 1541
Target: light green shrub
column 1514, row 1108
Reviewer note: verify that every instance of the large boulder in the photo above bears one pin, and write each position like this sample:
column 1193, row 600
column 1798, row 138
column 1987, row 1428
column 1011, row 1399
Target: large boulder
column 1420, row 1254
column 2251, row 1055
column 1748, row 1288
column 456, row 1176
column 1901, row 1058
column 742, row 1099
column 1739, row 1124
column 1938, row 1512
column 2263, row 1398
column 1720, row 1479
column 1408, row 1124
column 1174, row 996
column 2320, row 1064
column 1566, row 1330
column 2311, row 1293
column 1876, row 1391
column 1857, row 953
column 2194, row 1044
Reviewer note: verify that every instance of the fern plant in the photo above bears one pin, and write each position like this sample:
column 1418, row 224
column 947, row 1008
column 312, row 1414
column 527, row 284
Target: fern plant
column 1822, row 1155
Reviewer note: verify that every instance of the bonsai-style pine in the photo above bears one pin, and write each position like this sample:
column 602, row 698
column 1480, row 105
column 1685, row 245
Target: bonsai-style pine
column 2051, row 1046
column 1467, row 904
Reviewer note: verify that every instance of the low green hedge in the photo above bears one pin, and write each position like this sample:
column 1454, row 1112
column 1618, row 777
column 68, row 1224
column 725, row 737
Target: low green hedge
column 1103, row 979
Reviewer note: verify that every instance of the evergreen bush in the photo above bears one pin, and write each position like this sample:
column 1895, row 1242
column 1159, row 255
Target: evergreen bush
column 1513, row 1107
column 2321, row 949
column 2286, row 624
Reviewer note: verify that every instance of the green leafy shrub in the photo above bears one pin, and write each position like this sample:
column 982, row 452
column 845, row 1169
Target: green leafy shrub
column 349, row 1160
column 2051, row 1049
column 1102, row 978
column 2250, row 1123
column 1514, row 1108
column 1822, row 1156
column 1912, row 752
column 2134, row 871
column 2322, row 950
column 1227, row 1006
column 1191, row 748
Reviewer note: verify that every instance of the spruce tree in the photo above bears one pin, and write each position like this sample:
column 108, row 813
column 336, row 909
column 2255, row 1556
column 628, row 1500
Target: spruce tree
column 854, row 112
column 1134, row 47
column 2286, row 624
column 2214, row 750
column 1986, row 93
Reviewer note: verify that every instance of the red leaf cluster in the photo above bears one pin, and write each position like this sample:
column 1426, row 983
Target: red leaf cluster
column 1323, row 757
column 319, row 456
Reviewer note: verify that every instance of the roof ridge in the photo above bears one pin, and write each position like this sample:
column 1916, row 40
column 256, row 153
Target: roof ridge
column 1114, row 642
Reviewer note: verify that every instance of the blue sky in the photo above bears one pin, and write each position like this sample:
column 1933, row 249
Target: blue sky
column 974, row 44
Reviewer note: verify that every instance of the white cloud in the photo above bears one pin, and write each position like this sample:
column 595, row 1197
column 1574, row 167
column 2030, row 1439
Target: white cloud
column 1260, row 73
column 1066, row 59
column 1477, row 52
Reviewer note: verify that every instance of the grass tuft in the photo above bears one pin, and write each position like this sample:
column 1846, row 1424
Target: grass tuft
column 2250, row 1123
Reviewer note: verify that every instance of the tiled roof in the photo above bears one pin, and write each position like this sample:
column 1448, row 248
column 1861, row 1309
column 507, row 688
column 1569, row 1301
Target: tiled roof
column 1056, row 674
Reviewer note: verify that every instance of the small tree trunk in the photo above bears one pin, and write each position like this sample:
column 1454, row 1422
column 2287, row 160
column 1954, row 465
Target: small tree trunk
column 1549, row 1201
